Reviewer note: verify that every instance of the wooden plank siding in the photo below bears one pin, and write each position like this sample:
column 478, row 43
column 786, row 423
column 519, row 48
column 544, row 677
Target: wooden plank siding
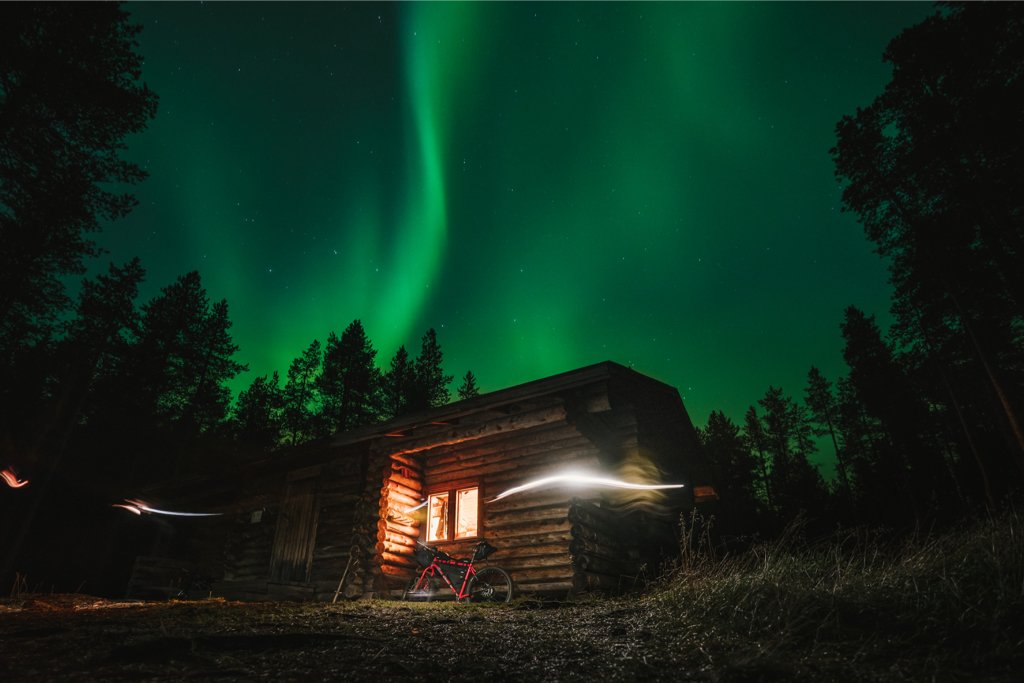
column 292, row 553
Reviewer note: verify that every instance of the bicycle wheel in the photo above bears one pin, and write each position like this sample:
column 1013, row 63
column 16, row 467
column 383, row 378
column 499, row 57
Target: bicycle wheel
column 420, row 589
column 491, row 584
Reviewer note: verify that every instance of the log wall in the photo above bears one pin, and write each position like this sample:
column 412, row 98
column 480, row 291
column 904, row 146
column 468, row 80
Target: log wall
column 247, row 555
column 398, row 526
column 532, row 529
column 549, row 540
column 341, row 488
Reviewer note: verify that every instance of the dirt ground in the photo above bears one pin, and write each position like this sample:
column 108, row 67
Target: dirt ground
column 74, row 637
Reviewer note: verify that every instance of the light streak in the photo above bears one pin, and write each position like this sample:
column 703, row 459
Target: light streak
column 12, row 479
column 417, row 507
column 138, row 507
column 582, row 478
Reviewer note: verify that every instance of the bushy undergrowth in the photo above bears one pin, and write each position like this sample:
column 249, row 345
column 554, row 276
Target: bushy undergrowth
column 946, row 606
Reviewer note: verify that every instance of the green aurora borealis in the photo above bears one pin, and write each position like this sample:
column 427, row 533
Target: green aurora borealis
column 548, row 185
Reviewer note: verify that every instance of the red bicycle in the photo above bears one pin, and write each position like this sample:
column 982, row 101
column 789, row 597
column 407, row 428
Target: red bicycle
column 490, row 584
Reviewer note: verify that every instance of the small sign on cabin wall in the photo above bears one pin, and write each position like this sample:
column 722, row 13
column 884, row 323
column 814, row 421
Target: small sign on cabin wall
column 256, row 516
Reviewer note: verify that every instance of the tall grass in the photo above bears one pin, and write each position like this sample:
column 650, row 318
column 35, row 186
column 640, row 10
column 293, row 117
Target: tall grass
column 946, row 606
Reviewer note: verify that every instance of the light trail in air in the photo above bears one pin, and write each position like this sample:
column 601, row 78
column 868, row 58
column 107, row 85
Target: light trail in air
column 583, row 479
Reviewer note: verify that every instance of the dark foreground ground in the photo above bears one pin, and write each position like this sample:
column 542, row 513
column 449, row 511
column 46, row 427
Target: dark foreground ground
column 79, row 638
column 856, row 607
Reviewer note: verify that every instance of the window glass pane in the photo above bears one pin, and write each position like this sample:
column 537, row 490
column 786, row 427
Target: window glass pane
column 437, row 517
column 465, row 513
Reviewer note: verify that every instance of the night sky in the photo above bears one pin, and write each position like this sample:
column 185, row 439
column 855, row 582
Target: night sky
column 548, row 186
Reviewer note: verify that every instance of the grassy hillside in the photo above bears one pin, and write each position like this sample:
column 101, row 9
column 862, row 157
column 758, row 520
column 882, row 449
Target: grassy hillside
column 948, row 607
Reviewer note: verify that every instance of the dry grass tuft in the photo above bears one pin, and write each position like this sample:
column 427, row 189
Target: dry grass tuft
column 938, row 607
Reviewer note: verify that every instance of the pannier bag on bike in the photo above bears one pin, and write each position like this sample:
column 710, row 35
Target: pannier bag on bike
column 424, row 555
column 483, row 551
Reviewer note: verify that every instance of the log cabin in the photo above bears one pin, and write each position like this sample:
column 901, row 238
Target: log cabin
column 341, row 516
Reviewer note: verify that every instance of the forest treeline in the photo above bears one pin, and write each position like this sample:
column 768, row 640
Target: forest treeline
column 131, row 395
column 99, row 388
column 925, row 426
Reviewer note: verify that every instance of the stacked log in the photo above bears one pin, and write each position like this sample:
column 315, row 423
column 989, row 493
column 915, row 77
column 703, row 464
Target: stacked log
column 603, row 552
column 398, row 526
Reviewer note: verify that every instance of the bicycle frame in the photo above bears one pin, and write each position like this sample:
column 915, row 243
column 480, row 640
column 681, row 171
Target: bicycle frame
column 434, row 569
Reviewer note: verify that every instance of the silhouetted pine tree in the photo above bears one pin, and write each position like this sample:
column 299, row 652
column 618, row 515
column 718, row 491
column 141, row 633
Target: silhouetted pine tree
column 187, row 348
column 735, row 472
column 431, row 386
column 933, row 169
column 398, row 384
column 468, row 388
column 349, row 382
column 301, row 397
column 753, row 434
column 257, row 420
column 821, row 406
column 887, row 395
column 788, row 440
column 69, row 95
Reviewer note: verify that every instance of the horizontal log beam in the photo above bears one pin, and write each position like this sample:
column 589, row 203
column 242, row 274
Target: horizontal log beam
column 402, row 539
column 397, row 560
column 396, row 499
column 411, row 531
column 406, row 447
column 510, row 439
column 397, row 475
column 526, row 529
column 544, row 587
column 547, row 513
column 515, row 563
column 394, row 549
column 405, row 460
column 390, row 485
column 511, row 444
column 528, row 575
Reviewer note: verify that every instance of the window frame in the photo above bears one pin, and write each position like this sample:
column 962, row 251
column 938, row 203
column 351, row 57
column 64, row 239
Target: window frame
column 452, row 492
column 455, row 516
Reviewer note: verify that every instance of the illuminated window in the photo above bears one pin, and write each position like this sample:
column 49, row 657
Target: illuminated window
column 464, row 523
column 437, row 517
column 466, row 508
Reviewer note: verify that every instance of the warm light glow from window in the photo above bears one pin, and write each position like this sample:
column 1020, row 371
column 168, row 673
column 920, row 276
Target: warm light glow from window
column 466, row 508
column 437, row 517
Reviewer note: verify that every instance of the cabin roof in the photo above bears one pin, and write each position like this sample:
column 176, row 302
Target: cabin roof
column 312, row 452
column 555, row 384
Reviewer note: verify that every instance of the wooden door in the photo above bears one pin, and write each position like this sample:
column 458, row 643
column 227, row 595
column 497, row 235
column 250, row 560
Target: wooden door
column 292, row 555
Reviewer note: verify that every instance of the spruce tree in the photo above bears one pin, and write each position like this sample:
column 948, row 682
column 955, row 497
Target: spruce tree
column 301, row 397
column 755, row 438
column 821, row 405
column 788, row 439
column 349, row 382
column 887, row 394
column 185, row 352
column 735, row 473
column 70, row 93
column 257, row 419
column 398, row 385
column 468, row 388
column 431, row 386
